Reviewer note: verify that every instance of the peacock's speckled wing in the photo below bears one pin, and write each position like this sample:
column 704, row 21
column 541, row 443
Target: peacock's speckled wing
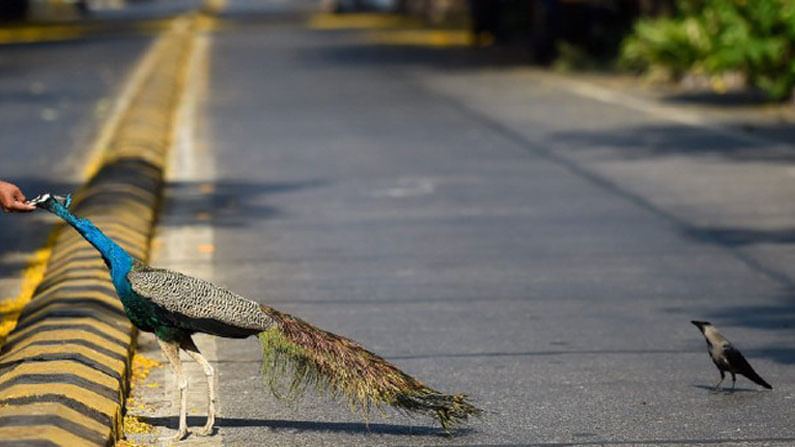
column 197, row 305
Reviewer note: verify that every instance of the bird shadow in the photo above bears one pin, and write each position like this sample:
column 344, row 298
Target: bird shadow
column 712, row 389
column 172, row 422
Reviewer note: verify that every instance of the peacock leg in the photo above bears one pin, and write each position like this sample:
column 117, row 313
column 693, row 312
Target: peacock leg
column 193, row 351
column 171, row 351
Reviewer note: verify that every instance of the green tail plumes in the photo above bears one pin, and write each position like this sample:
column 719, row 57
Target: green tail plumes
column 303, row 355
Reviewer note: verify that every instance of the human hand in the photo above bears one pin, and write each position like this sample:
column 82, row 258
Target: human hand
column 12, row 199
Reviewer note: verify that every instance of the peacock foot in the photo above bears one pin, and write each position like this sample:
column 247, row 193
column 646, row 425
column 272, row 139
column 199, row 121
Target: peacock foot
column 181, row 434
column 207, row 430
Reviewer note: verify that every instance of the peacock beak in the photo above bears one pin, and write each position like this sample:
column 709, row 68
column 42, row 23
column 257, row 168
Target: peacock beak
column 38, row 200
column 64, row 201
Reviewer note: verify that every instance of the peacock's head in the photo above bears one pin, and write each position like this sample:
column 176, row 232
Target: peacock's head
column 49, row 201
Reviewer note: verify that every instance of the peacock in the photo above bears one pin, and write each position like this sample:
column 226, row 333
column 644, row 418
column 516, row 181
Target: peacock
column 295, row 354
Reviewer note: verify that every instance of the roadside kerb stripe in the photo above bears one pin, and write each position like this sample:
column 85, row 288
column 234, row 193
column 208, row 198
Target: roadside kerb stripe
column 87, row 324
column 73, row 428
column 77, row 274
column 73, row 356
column 92, row 376
column 55, row 409
column 41, row 353
column 82, row 260
column 67, row 313
column 72, row 333
column 39, row 435
column 64, row 369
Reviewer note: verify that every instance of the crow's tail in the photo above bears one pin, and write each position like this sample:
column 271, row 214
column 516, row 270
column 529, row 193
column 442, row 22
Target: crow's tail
column 756, row 378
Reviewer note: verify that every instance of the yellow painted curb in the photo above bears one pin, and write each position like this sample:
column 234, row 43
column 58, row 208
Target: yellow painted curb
column 38, row 353
column 105, row 329
column 57, row 409
column 60, row 367
column 46, row 433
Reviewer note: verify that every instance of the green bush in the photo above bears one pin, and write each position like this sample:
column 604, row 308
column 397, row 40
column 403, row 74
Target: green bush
column 753, row 37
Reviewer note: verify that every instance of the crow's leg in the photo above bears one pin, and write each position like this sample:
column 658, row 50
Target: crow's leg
column 171, row 351
column 193, row 351
column 734, row 379
column 722, row 376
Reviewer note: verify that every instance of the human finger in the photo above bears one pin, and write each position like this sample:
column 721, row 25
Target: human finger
column 20, row 206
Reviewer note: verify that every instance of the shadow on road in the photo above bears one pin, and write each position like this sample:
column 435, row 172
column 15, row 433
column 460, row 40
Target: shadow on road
column 380, row 55
column 729, row 391
column 227, row 203
column 738, row 98
column 742, row 236
column 649, row 141
column 779, row 316
column 279, row 424
column 644, row 142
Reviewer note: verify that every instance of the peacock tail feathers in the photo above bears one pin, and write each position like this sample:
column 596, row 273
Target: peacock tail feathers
column 297, row 355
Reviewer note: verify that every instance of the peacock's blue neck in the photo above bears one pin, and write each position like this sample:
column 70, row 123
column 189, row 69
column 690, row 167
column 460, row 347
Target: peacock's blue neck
column 116, row 258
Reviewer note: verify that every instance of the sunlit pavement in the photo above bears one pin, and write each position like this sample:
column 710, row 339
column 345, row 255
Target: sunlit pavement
column 492, row 230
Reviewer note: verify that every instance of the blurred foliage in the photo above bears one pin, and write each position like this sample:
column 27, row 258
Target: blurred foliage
column 711, row 37
column 570, row 57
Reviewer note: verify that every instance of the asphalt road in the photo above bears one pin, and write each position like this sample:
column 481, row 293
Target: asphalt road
column 54, row 96
column 493, row 232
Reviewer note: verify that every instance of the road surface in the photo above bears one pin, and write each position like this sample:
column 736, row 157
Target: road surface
column 491, row 230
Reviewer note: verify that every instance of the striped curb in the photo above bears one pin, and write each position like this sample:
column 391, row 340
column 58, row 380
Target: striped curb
column 64, row 369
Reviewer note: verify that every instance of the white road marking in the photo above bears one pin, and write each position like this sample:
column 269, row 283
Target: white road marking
column 190, row 167
column 407, row 187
